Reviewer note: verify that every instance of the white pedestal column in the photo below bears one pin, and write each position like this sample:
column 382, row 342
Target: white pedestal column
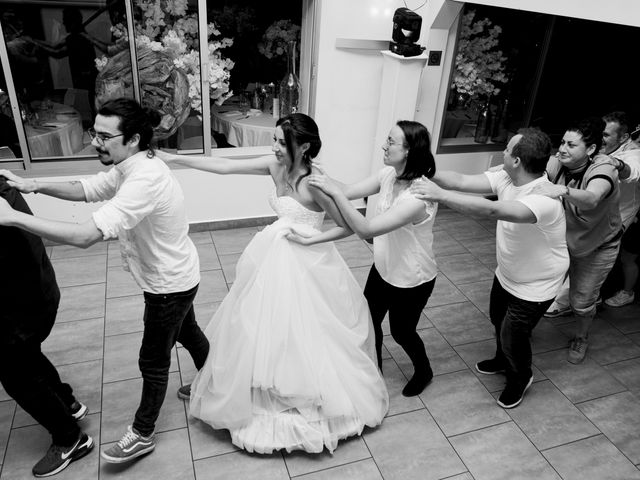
column 398, row 95
column 398, row 100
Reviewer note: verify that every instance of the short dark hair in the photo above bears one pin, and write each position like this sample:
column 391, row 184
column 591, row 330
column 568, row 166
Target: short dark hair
column 590, row 128
column 134, row 119
column 620, row 118
column 299, row 128
column 533, row 149
column 420, row 160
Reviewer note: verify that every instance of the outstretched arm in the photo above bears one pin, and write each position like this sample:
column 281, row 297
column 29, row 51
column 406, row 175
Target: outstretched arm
column 65, row 190
column 219, row 165
column 461, row 182
column 80, row 235
column 597, row 189
column 510, row 211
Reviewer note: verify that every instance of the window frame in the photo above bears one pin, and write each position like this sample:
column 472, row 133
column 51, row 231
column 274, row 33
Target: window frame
column 87, row 165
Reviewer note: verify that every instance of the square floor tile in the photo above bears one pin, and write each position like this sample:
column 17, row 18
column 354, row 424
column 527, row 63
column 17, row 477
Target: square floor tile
column 208, row 257
column 411, row 446
column 459, row 403
column 461, row 323
column 627, row 373
column 7, row 410
column 618, row 417
column 502, row 452
column 464, row 268
column 242, row 465
column 75, row 342
column 548, row 419
column 206, row 441
column 350, row 450
column 124, row 315
column 76, row 271
column 579, row 383
column 362, row 470
column 81, row 302
column 594, row 458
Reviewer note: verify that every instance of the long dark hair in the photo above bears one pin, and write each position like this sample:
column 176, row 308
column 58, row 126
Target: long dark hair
column 299, row 128
column 134, row 118
column 420, row 160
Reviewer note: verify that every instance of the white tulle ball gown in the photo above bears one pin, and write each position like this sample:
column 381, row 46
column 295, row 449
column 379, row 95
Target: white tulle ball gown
column 292, row 361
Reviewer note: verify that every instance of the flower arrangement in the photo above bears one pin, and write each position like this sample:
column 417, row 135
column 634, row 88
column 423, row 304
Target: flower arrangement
column 479, row 68
column 165, row 32
column 276, row 38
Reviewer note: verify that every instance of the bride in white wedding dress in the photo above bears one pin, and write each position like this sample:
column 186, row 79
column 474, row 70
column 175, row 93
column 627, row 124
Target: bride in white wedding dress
column 292, row 363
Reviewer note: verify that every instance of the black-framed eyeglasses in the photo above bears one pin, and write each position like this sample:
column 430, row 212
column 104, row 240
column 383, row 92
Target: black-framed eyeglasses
column 390, row 143
column 99, row 137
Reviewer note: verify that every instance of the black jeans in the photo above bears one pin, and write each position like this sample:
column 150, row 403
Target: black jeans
column 167, row 318
column 33, row 382
column 404, row 306
column 514, row 319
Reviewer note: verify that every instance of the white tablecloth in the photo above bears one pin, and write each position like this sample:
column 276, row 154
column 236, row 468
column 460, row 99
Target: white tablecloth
column 253, row 129
column 59, row 132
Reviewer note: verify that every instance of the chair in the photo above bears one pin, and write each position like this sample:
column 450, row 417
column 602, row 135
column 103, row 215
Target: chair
column 6, row 152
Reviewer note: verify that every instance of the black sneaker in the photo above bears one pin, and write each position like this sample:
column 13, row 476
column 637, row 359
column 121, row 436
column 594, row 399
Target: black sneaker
column 513, row 393
column 78, row 411
column 184, row 392
column 58, row 458
column 491, row 366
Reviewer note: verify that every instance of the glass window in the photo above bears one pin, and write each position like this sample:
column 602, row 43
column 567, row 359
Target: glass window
column 265, row 55
column 514, row 69
column 9, row 144
column 52, row 54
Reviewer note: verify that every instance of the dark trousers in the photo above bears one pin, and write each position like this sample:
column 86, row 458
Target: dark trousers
column 404, row 306
column 167, row 318
column 33, row 382
column 514, row 319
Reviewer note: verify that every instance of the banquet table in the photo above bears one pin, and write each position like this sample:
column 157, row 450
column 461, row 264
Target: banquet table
column 57, row 132
column 251, row 129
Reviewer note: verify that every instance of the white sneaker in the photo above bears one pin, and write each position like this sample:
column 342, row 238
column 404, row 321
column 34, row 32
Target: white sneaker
column 557, row 310
column 620, row 299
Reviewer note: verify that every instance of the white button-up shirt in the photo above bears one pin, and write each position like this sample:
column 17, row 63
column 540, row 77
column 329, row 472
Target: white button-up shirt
column 146, row 212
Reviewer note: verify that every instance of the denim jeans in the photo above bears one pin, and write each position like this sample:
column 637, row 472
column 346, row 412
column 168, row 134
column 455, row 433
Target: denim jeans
column 587, row 274
column 514, row 319
column 167, row 318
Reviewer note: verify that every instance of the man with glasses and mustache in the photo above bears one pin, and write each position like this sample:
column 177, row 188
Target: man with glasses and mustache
column 145, row 210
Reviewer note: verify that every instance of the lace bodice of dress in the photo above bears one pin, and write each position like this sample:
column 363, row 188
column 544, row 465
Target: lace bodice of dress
column 289, row 207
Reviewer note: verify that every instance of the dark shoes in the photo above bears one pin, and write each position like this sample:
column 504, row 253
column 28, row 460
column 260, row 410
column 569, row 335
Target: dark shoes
column 514, row 392
column 78, row 411
column 58, row 458
column 184, row 392
column 418, row 383
column 491, row 366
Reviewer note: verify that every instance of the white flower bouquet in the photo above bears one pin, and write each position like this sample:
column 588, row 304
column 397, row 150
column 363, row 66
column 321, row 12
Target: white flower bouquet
column 167, row 41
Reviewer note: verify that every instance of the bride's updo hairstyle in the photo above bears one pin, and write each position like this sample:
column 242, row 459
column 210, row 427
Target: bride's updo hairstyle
column 299, row 128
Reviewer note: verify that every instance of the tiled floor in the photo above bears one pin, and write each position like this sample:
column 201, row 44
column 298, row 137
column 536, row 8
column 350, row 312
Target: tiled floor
column 577, row 422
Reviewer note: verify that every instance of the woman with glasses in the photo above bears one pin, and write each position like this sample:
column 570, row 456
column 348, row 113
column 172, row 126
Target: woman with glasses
column 404, row 270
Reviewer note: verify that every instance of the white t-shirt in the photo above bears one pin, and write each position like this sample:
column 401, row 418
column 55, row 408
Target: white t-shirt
column 404, row 257
column 532, row 257
column 146, row 212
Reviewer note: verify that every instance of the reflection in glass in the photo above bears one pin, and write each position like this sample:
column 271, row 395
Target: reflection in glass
column 261, row 32
column 9, row 145
column 498, row 52
column 52, row 53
